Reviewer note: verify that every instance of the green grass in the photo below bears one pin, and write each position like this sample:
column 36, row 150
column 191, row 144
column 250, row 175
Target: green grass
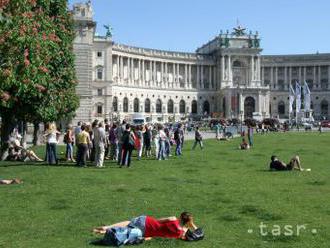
column 228, row 191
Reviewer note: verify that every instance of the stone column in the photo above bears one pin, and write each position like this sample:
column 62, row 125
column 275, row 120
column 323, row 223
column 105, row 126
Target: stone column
column 166, row 76
column 290, row 75
column 189, row 80
column 252, row 69
column 258, row 69
column 143, row 74
column 230, row 76
column 314, row 76
column 304, row 77
column 155, row 74
column 328, row 76
column 271, row 77
column 210, row 78
column 185, row 76
column 162, row 74
column 276, row 77
column 139, row 72
column 319, row 76
column 299, row 74
column 286, row 85
column 202, row 77
column 222, row 68
column 129, row 70
column 121, row 69
column 197, row 79
column 177, row 75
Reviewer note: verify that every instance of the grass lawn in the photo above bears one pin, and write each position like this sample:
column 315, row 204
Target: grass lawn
column 229, row 192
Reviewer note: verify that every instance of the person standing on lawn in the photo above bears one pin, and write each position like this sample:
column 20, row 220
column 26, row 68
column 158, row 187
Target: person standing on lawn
column 119, row 133
column 51, row 135
column 198, row 139
column 128, row 141
column 250, row 135
column 69, row 140
column 100, row 143
column 83, row 141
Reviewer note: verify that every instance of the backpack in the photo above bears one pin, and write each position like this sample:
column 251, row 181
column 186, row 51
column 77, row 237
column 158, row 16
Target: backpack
column 65, row 138
column 176, row 134
column 195, row 235
column 118, row 236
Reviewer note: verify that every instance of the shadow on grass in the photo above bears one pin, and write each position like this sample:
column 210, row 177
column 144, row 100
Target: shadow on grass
column 317, row 183
column 280, row 238
column 259, row 213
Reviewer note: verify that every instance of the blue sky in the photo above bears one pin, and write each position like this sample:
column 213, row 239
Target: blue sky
column 285, row 26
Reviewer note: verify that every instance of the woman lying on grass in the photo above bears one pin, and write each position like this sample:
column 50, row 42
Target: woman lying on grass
column 171, row 227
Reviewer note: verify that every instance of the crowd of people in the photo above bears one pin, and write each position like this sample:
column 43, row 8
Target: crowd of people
column 102, row 140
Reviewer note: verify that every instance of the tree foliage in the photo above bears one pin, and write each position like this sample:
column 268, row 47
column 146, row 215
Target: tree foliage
column 37, row 76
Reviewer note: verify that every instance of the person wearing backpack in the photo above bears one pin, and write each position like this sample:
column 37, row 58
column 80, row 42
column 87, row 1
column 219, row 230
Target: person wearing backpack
column 128, row 142
column 119, row 133
column 171, row 227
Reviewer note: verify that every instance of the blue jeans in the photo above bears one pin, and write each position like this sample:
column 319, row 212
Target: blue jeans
column 161, row 153
column 120, row 151
column 178, row 150
column 139, row 222
column 69, row 151
column 51, row 153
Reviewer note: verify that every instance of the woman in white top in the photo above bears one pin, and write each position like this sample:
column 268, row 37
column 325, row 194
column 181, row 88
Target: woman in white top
column 51, row 136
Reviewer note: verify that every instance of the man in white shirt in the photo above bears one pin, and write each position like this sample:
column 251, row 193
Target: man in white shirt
column 99, row 141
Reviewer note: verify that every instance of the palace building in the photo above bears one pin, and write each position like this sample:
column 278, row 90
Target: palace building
column 226, row 77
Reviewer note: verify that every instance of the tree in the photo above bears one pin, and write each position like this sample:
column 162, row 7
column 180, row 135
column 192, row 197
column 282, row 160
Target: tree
column 37, row 75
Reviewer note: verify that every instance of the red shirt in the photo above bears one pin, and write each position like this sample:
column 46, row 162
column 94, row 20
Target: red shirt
column 168, row 229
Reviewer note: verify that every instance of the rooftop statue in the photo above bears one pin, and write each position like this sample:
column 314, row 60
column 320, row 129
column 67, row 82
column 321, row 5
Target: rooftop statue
column 239, row 31
column 109, row 30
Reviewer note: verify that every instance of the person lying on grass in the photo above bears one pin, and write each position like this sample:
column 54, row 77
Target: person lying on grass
column 278, row 165
column 169, row 227
column 11, row 181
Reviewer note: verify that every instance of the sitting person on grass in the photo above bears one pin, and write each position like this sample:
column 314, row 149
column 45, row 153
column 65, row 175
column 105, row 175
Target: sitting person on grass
column 244, row 145
column 278, row 165
column 171, row 227
column 16, row 152
column 10, row 181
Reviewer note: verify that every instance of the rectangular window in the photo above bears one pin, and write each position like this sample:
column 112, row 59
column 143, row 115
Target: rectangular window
column 100, row 73
column 99, row 54
column 99, row 92
column 99, row 109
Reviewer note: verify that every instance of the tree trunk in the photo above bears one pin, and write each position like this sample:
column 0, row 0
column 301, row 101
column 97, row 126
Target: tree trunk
column 35, row 133
column 7, row 126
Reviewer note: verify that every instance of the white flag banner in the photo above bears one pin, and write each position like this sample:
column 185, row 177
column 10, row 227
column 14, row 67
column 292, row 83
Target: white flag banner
column 298, row 97
column 291, row 98
column 307, row 97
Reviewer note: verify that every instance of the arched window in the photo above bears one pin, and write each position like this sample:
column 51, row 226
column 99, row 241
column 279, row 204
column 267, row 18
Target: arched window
column 99, row 73
column 249, row 107
column 115, row 104
column 125, row 105
column 147, row 105
column 281, row 109
column 182, row 107
column 324, row 108
column 158, row 106
column 194, row 107
column 99, row 109
column 206, row 107
column 136, row 105
column 170, row 106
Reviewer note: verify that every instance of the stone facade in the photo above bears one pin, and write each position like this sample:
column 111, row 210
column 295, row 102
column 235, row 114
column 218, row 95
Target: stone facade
column 226, row 77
